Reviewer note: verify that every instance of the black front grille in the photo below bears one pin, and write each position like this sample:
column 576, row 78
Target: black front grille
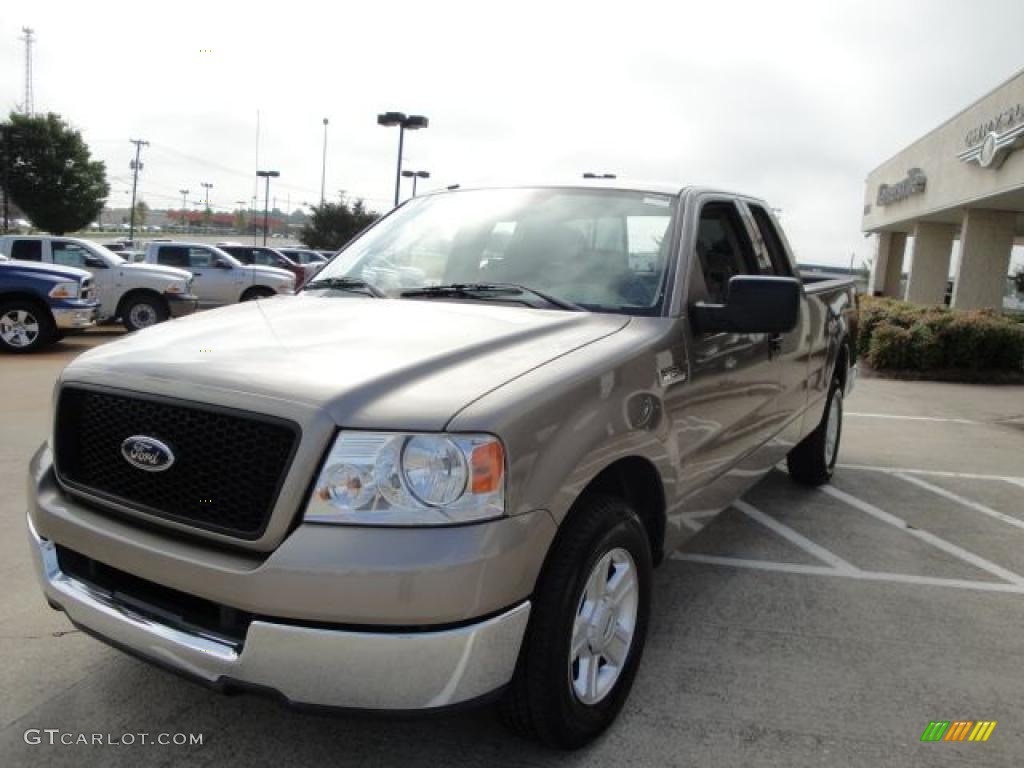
column 228, row 465
column 163, row 604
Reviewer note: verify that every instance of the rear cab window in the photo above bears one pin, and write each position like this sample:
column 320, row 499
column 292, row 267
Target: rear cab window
column 772, row 250
column 27, row 250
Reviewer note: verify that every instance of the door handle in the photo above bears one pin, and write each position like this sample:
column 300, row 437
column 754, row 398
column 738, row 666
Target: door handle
column 774, row 344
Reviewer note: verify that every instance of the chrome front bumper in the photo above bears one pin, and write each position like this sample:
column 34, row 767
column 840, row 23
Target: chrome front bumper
column 398, row 671
column 70, row 318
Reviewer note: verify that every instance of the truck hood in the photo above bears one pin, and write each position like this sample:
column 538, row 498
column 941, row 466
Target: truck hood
column 370, row 363
column 53, row 270
column 156, row 270
column 273, row 273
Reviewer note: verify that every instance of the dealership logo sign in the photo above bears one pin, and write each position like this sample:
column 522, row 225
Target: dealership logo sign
column 989, row 143
column 914, row 184
column 958, row 730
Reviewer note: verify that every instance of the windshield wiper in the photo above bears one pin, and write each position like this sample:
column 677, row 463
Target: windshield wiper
column 352, row 284
column 487, row 290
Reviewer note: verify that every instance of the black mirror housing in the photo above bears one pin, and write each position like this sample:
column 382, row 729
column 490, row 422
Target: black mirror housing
column 753, row 304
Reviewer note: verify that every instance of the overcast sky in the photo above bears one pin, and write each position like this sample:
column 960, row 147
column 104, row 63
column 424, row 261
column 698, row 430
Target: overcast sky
column 795, row 102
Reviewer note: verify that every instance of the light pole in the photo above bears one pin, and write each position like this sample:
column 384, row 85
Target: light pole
column 136, row 167
column 184, row 209
column 323, row 170
column 415, row 176
column 268, row 175
column 405, row 123
column 241, row 212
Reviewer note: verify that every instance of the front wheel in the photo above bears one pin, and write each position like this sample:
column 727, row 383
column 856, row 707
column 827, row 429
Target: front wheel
column 143, row 311
column 257, row 293
column 813, row 460
column 587, row 628
column 24, row 327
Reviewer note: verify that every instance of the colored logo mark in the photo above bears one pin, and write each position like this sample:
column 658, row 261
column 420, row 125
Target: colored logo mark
column 958, row 730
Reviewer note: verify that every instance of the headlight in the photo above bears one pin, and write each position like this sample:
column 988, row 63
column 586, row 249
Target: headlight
column 384, row 478
column 65, row 291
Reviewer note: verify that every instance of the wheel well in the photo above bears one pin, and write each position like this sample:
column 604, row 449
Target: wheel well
column 260, row 290
column 636, row 481
column 28, row 297
column 134, row 292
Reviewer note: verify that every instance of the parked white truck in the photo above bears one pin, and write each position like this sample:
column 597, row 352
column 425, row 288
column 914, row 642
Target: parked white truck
column 220, row 278
column 139, row 295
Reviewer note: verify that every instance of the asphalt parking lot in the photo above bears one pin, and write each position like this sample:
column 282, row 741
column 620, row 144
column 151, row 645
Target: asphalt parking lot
column 798, row 628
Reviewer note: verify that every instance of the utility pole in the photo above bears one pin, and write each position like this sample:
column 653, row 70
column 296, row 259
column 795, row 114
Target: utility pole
column 206, row 208
column 6, row 183
column 136, row 167
column 323, row 168
column 28, row 37
column 184, row 208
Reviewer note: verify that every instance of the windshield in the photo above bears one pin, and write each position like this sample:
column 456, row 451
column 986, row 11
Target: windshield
column 604, row 250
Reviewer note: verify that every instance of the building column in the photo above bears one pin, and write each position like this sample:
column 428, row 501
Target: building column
column 888, row 266
column 986, row 240
column 929, row 262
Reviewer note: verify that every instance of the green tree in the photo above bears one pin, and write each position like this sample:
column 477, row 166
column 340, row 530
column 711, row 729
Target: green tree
column 141, row 211
column 52, row 175
column 331, row 225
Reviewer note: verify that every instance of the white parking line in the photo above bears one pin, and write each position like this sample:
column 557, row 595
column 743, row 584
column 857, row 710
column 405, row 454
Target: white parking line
column 978, row 507
column 931, row 472
column 819, row 570
column 930, row 538
column 911, row 418
column 793, row 537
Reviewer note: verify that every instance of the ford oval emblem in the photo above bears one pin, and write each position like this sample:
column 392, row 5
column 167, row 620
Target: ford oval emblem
column 147, row 453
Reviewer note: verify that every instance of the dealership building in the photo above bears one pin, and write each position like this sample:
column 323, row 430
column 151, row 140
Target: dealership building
column 961, row 185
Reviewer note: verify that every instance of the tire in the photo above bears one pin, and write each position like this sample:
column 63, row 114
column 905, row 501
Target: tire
column 813, row 459
column 25, row 327
column 143, row 311
column 256, row 293
column 551, row 698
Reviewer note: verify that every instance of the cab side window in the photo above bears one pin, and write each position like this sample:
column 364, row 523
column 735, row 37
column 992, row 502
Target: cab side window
column 172, row 256
column 68, row 254
column 723, row 249
column 200, row 257
column 772, row 242
column 27, row 250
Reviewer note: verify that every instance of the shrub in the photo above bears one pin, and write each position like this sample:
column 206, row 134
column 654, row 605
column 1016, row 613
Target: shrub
column 898, row 335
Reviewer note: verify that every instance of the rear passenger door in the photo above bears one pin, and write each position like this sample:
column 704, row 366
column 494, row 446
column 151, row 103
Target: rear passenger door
column 216, row 282
column 726, row 410
column 789, row 350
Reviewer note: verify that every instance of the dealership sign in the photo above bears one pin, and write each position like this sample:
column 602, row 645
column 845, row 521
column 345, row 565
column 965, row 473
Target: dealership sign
column 989, row 143
column 914, row 184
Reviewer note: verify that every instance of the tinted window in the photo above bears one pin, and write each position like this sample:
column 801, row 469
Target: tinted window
column 68, row 254
column 723, row 249
column 243, row 254
column 200, row 257
column 29, row 250
column 772, row 241
column 172, row 255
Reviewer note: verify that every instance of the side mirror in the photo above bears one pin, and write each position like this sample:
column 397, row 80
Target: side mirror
column 95, row 262
column 753, row 304
column 221, row 264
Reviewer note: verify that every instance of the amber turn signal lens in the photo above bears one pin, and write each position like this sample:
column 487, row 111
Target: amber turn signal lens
column 488, row 465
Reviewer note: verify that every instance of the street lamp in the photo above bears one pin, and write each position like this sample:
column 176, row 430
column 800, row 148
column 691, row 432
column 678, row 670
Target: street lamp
column 414, row 175
column 405, row 123
column 184, row 209
column 323, row 171
column 268, row 175
column 241, row 212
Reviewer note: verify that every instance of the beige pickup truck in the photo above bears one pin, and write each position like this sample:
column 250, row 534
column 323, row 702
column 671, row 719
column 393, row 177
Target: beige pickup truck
column 444, row 471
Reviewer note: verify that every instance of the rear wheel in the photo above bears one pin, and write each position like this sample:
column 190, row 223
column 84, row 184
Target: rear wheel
column 587, row 628
column 24, row 327
column 813, row 460
column 142, row 311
